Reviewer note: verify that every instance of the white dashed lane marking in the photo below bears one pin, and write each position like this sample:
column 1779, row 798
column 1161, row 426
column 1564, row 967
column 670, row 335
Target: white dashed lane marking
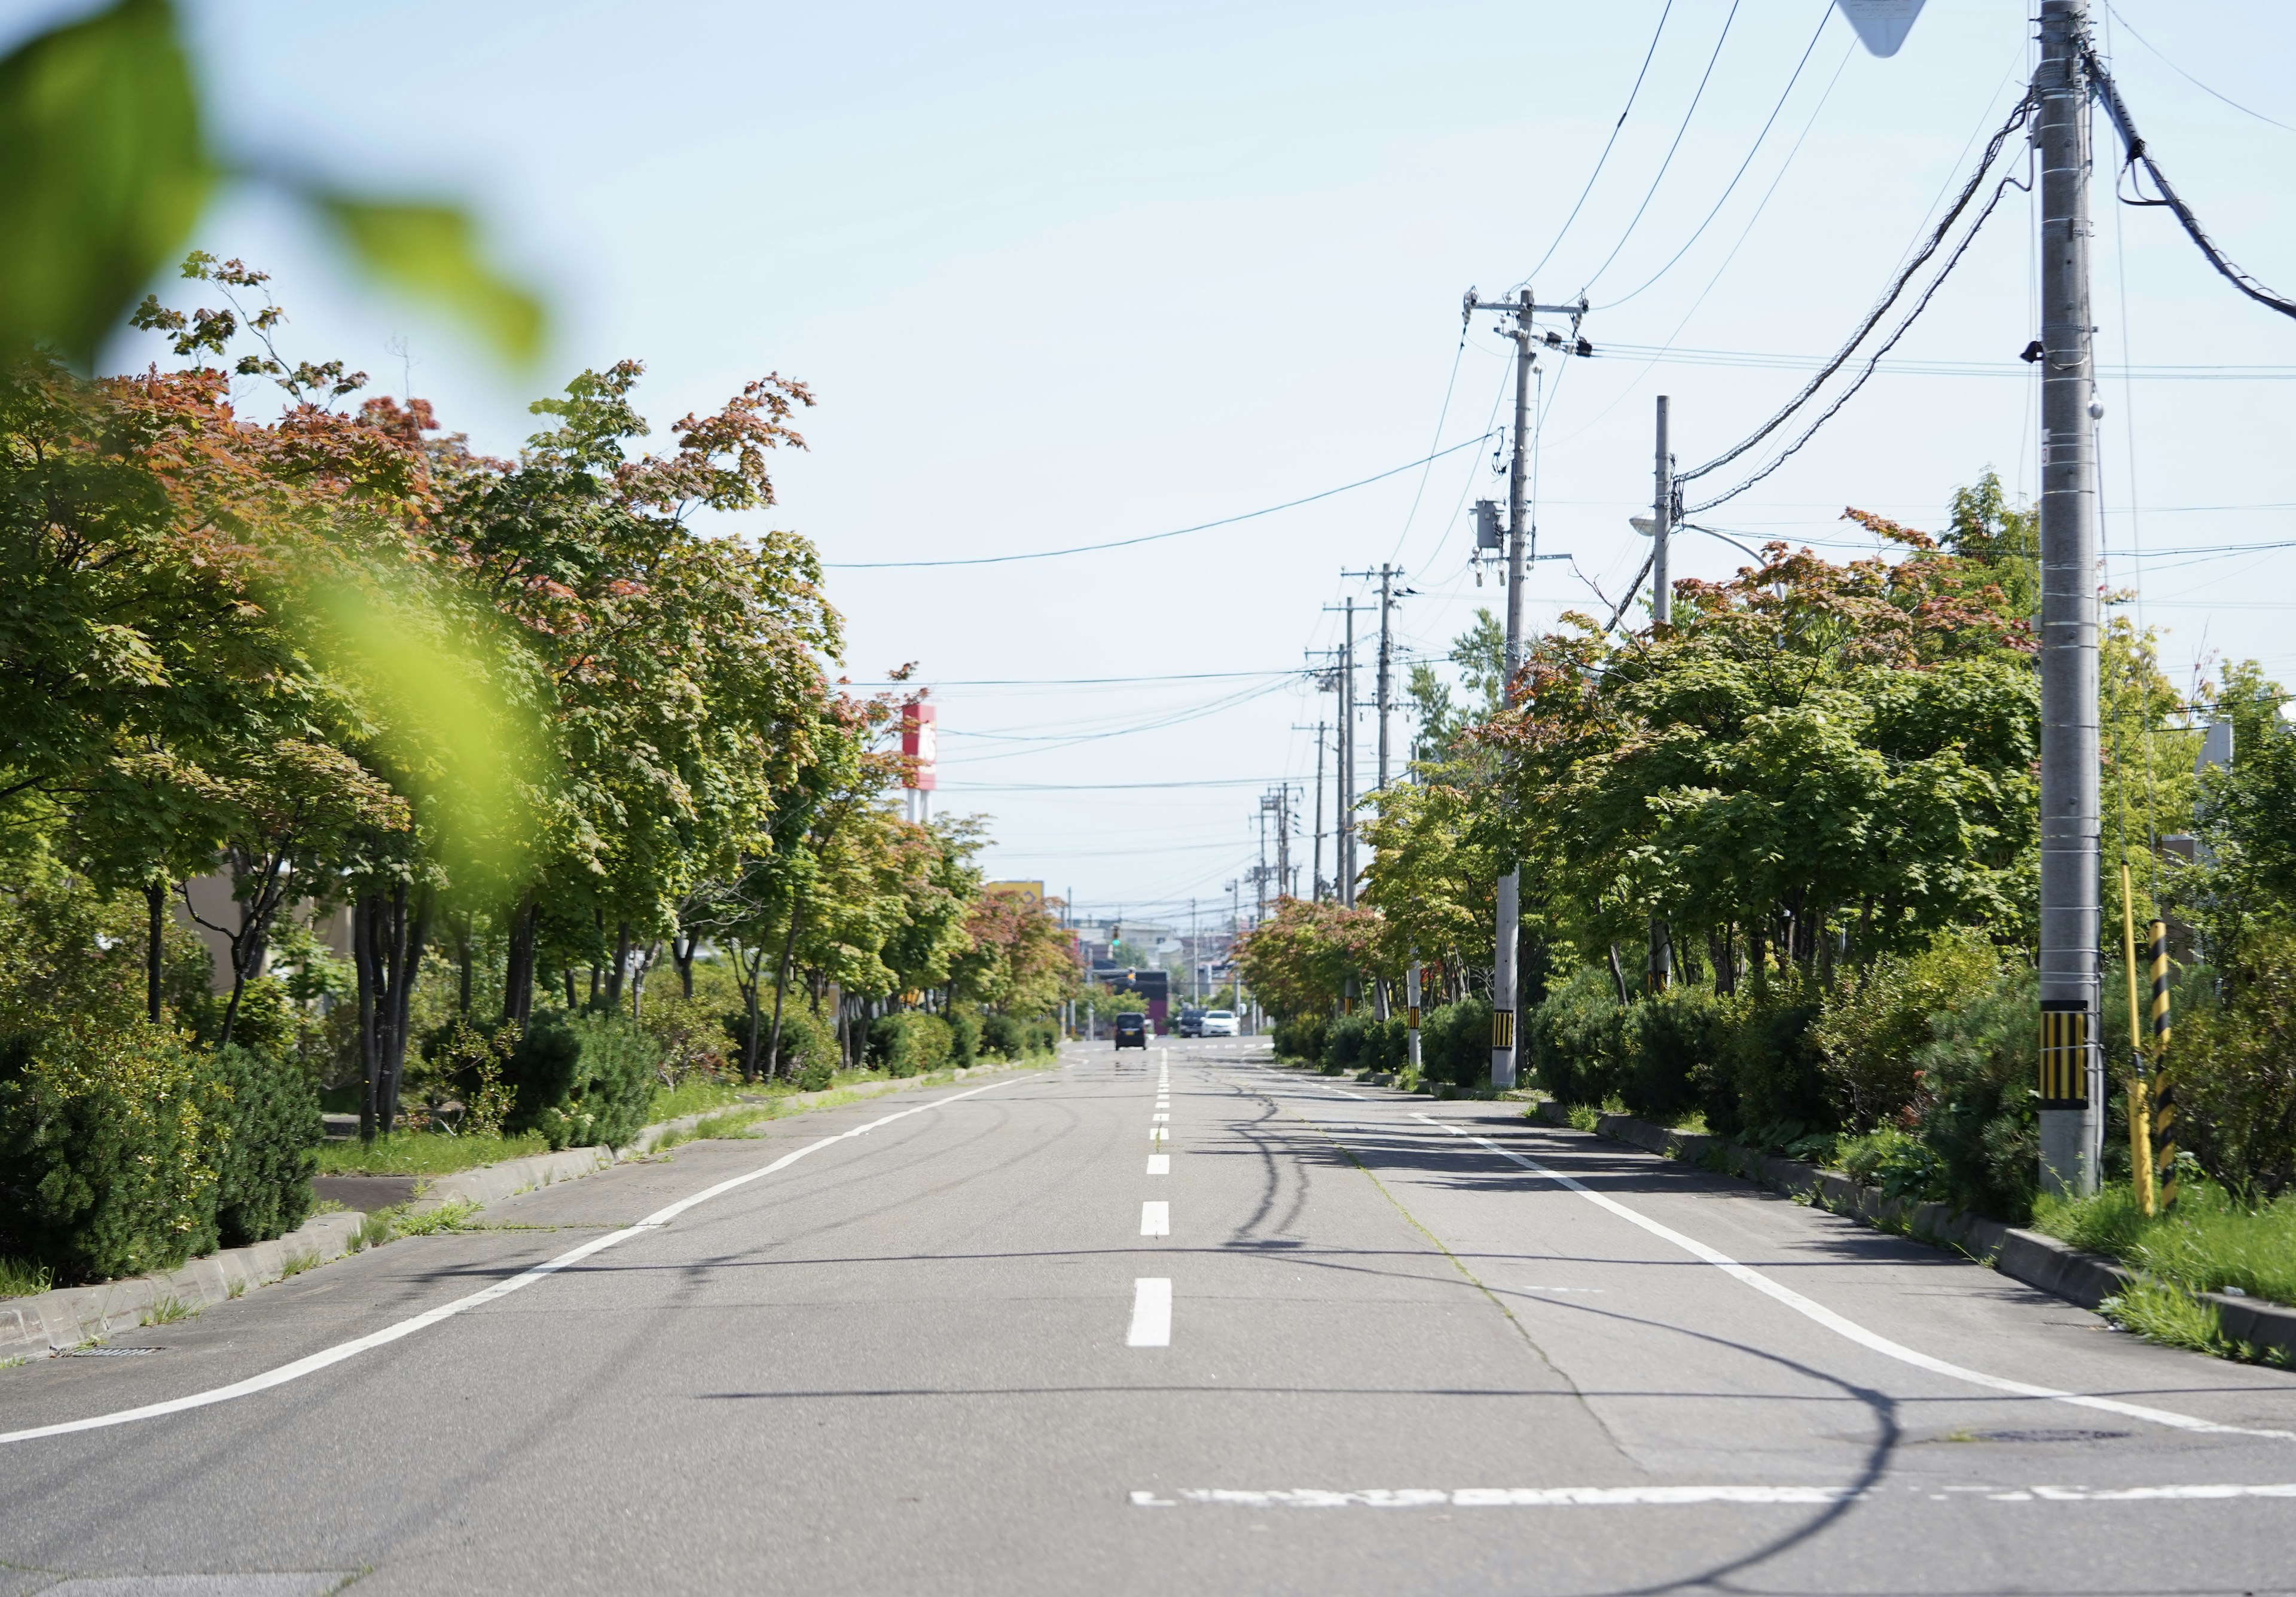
column 1159, row 1164
column 1155, row 1218
column 1152, row 1313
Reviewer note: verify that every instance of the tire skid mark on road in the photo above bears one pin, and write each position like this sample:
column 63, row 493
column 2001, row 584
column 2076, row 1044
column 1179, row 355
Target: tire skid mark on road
column 1841, row 1325
column 326, row 1357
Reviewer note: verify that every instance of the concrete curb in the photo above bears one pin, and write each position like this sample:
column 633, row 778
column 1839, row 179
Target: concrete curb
column 58, row 1321
column 2042, row 1262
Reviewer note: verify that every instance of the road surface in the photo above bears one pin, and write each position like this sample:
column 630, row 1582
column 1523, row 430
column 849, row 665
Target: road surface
column 1178, row 1323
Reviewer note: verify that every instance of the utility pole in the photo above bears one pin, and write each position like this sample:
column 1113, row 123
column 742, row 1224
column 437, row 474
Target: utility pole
column 1315, row 874
column 1661, row 944
column 1279, row 804
column 2072, row 1064
column 1388, row 596
column 1343, row 830
column 1519, row 311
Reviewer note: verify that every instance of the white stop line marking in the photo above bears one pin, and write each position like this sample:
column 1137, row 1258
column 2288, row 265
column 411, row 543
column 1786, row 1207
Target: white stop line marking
column 1155, row 1218
column 1159, row 1164
column 1152, row 1313
column 1667, row 1496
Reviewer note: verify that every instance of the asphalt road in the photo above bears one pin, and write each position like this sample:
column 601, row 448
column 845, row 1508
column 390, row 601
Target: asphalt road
column 1339, row 1341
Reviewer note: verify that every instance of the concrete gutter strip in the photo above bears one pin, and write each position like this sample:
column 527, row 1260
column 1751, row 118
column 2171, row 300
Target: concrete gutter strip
column 2042, row 1262
column 58, row 1321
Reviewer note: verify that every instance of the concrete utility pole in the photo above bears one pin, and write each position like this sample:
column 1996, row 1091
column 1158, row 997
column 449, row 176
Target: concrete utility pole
column 1519, row 311
column 1388, row 596
column 1661, row 945
column 1316, row 873
column 1279, row 804
column 1343, row 827
column 2072, row 1063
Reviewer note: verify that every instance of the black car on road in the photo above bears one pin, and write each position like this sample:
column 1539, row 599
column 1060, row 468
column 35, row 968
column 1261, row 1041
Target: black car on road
column 1132, row 1031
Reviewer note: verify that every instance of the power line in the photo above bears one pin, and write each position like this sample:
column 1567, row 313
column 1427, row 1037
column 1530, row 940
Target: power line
column 1823, row 16
column 2018, row 115
column 2188, row 78
column 2118, row 115
column 999, row 560
column 1656, row 34
column 1071, row 682
column 1670, row 150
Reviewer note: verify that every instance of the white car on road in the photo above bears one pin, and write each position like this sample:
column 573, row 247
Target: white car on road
column 1219, row 1023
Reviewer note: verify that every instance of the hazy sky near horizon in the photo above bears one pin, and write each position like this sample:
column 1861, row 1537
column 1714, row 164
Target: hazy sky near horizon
column 1066, row 275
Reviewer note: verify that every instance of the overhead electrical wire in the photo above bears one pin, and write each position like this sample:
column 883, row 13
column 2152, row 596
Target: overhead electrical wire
column 1564, row 232
column 2118, row 115
column 2123, row 22
column 1000, row 559
column 1744, row 234
column 1823, row 16
column 1637, row 221
column 2018, row 117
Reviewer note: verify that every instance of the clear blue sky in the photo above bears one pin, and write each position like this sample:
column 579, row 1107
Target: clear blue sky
column 1061, row 274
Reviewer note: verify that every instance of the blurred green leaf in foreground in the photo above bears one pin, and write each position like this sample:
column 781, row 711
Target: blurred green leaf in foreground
column 105, row 170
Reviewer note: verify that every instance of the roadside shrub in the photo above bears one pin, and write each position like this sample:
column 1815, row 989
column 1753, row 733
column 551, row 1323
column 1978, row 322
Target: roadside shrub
column 1577, row 1037
column 909, row 1043
column 1899, row 1163
column 1871, row 1027
column 1675, row 1042
column 1300, row 1037
column 1978, row 1108
column 106, row 1133
column 269, row 1127
column 2233, row 1065
column 1349, row 1042
column 1003, row 1037
column 963, row 1036
column 1772, row 1075
column 1455, row 1046
column 806, row 1037
column 582, row 1079
column 1041, row 1036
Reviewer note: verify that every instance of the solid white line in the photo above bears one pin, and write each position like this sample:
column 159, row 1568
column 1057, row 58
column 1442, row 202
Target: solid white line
column 1152, row 1313
column 1663, row 1496
column 1159, row 1164
column 1155, row 1218
column 321, row 1360
column 1850, row 1329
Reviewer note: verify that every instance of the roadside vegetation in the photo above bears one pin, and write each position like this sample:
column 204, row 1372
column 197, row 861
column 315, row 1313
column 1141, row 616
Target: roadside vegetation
column 492, row 799
column 1778, row 861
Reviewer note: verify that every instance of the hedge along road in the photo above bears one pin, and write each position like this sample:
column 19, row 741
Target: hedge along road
column 906, row 1361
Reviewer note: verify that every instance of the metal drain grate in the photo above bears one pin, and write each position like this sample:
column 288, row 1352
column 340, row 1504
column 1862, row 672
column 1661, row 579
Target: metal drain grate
column 108, row 1352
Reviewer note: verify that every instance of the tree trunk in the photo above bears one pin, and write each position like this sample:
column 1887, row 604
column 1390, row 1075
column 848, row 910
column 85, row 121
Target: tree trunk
column 252, row 939
column 619, row 973
column 645, row 959
column 781, row 984
column 746, row 973
column 1617, row 975
column 388, row 933
column 1721, row 950
column 155, row 903
column 370, row 983
column 410, row 925
column 681, row 955
column 518, row 973
column 462, row 959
